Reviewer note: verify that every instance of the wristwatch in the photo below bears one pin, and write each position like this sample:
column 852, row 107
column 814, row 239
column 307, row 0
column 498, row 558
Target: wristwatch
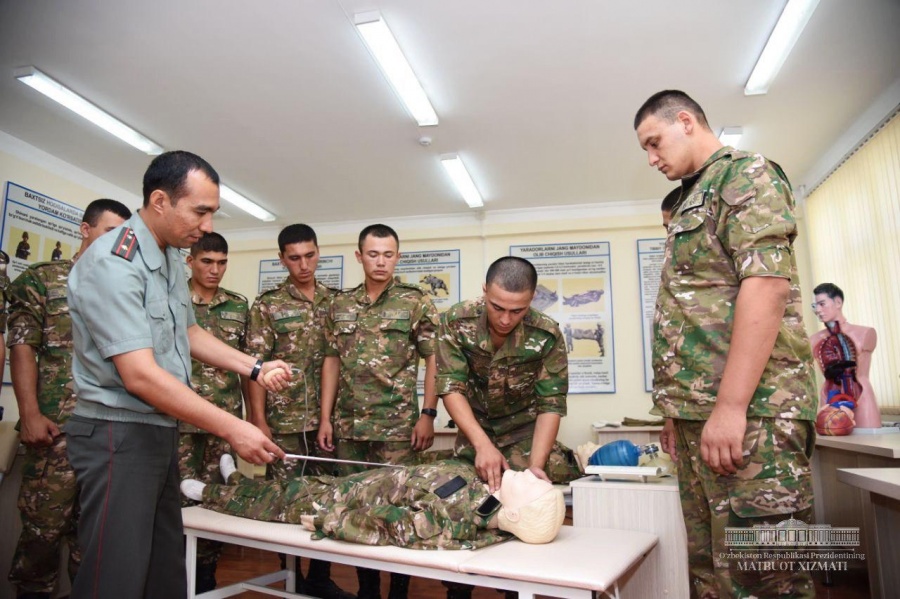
column 430, row 412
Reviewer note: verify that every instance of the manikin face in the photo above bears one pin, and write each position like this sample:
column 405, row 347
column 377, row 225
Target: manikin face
column 518, row 489
column 191, row 216
column 207, row 269
column 301, row 260
column 379, row 257
column 667, row 145
column 827, row 309
column 106, row 223
column 505, row 309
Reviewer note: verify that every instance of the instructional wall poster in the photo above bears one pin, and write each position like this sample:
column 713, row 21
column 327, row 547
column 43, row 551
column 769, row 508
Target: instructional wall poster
column 37, row 228
column 651, row 254
column 330, row 272
column 575, row 289
column 435, row 271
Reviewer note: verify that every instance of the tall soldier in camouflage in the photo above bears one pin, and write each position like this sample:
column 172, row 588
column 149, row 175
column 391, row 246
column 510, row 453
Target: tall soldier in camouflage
column 288, row 323
column 224, row 314
column 4, row 290
column 730, row 359
column 40, row 341
column 503, row 375
column 376, row 333
column 441, row 505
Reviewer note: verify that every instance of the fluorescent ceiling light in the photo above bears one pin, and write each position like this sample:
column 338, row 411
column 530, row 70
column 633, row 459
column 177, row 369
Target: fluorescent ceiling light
column 731, row 136
column 32, row 77
column 457, row 171
column 384, row 47
column 239, row 201
column 788, row 28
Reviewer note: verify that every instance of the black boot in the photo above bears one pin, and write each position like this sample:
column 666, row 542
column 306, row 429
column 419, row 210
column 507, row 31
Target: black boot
column 206, row 578
column 399, row 586
column 319, row 583
column 369, row 583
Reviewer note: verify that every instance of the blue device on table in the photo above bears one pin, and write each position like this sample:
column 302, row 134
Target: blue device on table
column 620, row 453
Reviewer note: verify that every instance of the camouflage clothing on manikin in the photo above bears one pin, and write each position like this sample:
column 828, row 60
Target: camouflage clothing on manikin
column 508, row 388
column 48, row 498
column 385, row 506
column 735, row 220
column 766, row 490
column 4, row 284
column 285, row 325
column 379, row 344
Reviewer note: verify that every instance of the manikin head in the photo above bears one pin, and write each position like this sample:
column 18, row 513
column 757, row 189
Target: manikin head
column 829, row 302
column 531, row 508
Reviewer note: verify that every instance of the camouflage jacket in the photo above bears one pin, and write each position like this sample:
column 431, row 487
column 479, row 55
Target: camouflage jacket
column 387, row 506
column 225, row 316
column 285, row 325
column 39, row 317
column 735, row 220
column 379, row 344
column 4, row 290
column 508, row 387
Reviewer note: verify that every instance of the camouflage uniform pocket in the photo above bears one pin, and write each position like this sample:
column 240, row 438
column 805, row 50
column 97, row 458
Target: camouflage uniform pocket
column 770, row 497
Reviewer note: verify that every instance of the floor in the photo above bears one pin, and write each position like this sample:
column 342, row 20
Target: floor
column 240, row 563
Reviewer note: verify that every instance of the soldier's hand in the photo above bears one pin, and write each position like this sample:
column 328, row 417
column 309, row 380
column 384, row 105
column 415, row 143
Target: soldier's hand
column 722, row 440
column 490, row 464
column 539, row 472
column 262, row 425
column 251, row 444
column 325, row 437
column 274, row 375
column 667, row 438
column 423, row 433
column 38, row 432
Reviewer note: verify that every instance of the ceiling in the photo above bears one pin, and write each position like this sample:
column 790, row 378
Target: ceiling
column 538, row 97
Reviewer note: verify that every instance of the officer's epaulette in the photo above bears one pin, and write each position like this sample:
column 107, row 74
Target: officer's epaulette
column 539, row 320
column 405, row 285
column 126, row 245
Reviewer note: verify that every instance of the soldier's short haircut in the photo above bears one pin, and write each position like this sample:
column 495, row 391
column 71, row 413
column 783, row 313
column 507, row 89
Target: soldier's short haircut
column 95, row 210
column 378, row 230
column 666, row 105
column 671, row 199
column 169, row 172
column 296, row 233
column 512, row 274
column 210, row 242
column 829, row 289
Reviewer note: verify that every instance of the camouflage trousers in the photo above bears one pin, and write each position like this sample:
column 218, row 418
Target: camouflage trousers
column 48, row 504
column 561, row 466
column 300, row 444
column 774, row 484
column 198, row 458
column 378, row 452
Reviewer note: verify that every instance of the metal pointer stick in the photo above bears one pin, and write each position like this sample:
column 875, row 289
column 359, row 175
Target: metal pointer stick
column 309, row 458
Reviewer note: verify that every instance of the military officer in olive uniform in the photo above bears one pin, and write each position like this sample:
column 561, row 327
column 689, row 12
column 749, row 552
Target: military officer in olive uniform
column 40, row 341
column 376, row 334
column 224, row 314
column 288, row 323
column 503, row 375
column 731, row 364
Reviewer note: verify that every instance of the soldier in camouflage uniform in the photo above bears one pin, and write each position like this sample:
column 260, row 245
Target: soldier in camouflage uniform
column 40, row 341
column 442, row 505
column 4, row 288
column 288, row 323
column 376, row 333
column 731, row 363
column 224, row 314
column 503, row 376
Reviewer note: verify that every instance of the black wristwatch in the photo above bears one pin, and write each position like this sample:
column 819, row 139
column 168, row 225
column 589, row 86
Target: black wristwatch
column 254, row 374
column 430, row 412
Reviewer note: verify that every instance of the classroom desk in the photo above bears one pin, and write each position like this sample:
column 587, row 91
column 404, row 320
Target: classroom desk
column 879, row 490
column 653, row 507
column 843, row 505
